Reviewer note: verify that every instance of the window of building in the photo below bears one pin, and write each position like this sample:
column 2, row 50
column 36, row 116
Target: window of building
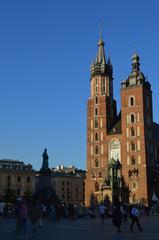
column 63, row 196
column 76, row 195
column 28, row 179
column 68, row 183
column 96, row 137
column 132, row 131
column 131, row 101
column 96, row 163
column 132, row 118
column 96, row 100
column 96, row 123
column 63, row 183
column 103, row 86
column 133, row 160
column 96, row 86
column 132, row 146
column 96, row 111
column 18, row 179
column 96, row 150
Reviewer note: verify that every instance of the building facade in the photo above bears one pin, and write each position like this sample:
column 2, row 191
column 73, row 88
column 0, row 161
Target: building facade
column 69, row 184
column 129, row 137
column 16, row 177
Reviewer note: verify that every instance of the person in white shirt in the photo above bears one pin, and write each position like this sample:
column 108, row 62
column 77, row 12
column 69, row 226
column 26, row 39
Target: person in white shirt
column 102, row 212
column 135, row 214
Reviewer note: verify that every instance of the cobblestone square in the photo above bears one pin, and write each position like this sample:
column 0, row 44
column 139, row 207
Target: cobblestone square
column 84, row 229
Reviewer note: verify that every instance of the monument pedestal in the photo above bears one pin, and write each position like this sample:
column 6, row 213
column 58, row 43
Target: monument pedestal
column 45, row 188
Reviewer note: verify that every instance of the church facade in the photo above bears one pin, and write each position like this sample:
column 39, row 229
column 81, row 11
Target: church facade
column 122, row 148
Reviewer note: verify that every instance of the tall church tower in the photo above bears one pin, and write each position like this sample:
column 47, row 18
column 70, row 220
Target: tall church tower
column 101, row 115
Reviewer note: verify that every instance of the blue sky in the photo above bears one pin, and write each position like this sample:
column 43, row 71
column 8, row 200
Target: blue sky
column 46, row 48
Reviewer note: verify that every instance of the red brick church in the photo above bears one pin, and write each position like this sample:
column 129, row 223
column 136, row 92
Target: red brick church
column 122, row 148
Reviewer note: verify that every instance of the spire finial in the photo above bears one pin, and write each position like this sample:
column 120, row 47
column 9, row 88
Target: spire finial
column 101, row 26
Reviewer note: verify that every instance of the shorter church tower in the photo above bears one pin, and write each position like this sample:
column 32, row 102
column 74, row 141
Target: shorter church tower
column 137, row 122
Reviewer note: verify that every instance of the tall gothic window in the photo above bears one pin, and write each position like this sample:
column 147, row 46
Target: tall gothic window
column 96, row 163
column 131, row 101
column 96, row 123
column 132, row 146
column 96, row 111
column 132, row 117
column 96, row 137
column 133, row 160
column 96, row 150
column 132, row 130
column 103, row 86
column 96, row 100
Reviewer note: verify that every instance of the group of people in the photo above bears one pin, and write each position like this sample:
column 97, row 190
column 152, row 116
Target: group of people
column 120, row 214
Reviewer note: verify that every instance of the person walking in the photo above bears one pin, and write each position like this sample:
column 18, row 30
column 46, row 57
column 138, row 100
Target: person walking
column 34, row 216
column 102, row 212
column 23, row 218
column 117, row 215
column 135, row 214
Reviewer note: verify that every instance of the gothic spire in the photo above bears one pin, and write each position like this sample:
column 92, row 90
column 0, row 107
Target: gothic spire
column 99, row 66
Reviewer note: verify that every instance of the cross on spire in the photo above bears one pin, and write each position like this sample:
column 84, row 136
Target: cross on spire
column 101, row 26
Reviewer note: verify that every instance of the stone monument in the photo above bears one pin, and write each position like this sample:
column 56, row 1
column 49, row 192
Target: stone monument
column 44, row 185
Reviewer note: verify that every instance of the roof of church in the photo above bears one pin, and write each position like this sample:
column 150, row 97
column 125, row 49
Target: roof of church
column 116, row 129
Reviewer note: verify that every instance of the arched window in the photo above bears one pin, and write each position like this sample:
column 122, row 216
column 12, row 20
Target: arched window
column 96, row 100
column 132, row 131
column 132, row 117
column 96, row 137
column 131, row 101
column 96, row 163
column 133, row 160
column 132, row 146
column 96, row 150
column 96, row 111
column 96, row 123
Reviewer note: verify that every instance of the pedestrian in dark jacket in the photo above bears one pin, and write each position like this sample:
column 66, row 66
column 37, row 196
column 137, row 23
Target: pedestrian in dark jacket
column 117, row 216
